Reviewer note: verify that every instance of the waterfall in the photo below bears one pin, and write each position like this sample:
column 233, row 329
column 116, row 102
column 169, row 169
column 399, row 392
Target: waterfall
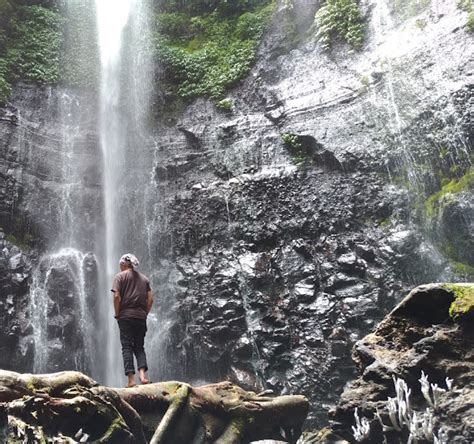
column 63, row 288
column 123, row 109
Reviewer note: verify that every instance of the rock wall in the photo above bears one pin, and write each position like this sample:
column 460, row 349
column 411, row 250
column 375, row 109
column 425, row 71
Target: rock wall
column 283, row 260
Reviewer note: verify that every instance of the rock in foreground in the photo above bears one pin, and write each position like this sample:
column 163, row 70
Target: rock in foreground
column 71, row 407
column 422, row 357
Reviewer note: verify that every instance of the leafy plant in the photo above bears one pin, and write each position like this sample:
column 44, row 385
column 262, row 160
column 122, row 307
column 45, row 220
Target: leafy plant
column 466, row 5
column 212, row 53
column 341, row 18
column 31, row 37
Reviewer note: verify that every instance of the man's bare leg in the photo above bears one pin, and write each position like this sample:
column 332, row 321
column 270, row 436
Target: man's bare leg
column 143, row 378
column 131, row 379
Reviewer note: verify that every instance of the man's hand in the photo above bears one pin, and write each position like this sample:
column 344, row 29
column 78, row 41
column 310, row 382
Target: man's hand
column 117, row 300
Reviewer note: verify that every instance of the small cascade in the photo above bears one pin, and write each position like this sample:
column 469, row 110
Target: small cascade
column 62, row 276
column 384, row 24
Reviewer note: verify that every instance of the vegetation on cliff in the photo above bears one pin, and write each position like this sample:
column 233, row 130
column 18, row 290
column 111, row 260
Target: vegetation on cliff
column 207, row 46
column 30, row 42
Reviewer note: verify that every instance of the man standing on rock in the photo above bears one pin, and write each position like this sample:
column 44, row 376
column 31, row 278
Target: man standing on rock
column 133, row 300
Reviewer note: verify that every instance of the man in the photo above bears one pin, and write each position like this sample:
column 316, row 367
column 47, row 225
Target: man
column 133, row 300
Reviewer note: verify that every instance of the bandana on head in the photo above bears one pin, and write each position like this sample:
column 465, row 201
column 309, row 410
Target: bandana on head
column 130, row 260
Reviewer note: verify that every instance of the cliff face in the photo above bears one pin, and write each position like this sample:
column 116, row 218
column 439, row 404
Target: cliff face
column 51, row 197
column 292, row 252
column 271, row 259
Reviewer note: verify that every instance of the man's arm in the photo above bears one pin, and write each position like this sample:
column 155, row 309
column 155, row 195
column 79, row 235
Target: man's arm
column 149, row 301
column 117, row 299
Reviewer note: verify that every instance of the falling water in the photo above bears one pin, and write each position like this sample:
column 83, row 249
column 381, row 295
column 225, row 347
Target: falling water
column 61, row 278
column 69, row 265
column 123, row 107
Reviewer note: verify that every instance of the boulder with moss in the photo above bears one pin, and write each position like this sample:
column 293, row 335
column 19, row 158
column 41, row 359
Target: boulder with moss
column 430, row 332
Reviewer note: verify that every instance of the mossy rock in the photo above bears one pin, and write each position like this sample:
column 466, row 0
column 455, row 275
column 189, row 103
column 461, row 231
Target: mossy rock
column 462, row 308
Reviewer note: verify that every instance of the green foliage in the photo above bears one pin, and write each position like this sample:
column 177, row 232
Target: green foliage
column 206, row 54
column 37, row 43
column 463, row 271
column 467, row 6
column 200, row 7
column 31, row 43
column 341, row 18
column 173, row 24
column 292, row 141
column 470, row 22
column 463, row 305
column 295, row 146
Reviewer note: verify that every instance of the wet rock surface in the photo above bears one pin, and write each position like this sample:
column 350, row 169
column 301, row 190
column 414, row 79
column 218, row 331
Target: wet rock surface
column 418, row 335
column 283, row 258
column 16, row 342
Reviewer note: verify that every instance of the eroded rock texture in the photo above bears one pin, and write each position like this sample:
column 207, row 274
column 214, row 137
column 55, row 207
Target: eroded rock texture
column 418, row 335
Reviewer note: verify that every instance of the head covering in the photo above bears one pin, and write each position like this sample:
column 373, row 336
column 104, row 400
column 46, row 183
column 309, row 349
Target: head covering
column 130, row 260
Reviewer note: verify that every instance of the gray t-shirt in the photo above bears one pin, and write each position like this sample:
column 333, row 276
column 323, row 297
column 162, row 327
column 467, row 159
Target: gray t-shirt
column 133, row 287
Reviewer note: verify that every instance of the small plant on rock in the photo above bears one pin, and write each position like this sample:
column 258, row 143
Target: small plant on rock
column 225, row 104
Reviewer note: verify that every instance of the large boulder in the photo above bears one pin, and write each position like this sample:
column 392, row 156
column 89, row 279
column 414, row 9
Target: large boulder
column 423, row 359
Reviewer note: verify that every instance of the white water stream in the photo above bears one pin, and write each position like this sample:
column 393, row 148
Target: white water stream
column 123, row 106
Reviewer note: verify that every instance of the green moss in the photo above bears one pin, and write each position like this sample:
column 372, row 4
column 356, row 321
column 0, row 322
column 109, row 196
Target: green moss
column 291, row 141
column 454, row 186
column 23, row 243
column 463, row 304
column 342, row 18
column 204, row 55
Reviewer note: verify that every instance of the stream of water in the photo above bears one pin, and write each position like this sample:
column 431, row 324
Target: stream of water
column 125, row 70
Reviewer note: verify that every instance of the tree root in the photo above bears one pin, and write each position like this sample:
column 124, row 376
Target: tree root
column 69, row 404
